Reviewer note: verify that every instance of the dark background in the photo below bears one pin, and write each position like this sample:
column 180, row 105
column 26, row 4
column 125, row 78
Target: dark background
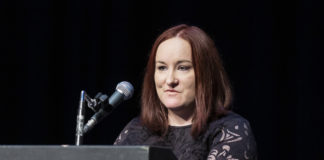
column 51, row 50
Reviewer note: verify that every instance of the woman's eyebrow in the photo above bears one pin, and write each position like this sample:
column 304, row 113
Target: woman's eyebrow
column 184, row 61
column 178, row 62
column 160, row 62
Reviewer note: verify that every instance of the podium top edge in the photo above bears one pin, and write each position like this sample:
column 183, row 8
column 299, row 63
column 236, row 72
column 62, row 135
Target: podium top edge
column 74, row 146
column 145, row 147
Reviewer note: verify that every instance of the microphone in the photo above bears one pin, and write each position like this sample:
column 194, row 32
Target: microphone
column 124, row 91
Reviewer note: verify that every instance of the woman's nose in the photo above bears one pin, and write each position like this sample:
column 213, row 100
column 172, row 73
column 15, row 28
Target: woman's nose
column 171, row 80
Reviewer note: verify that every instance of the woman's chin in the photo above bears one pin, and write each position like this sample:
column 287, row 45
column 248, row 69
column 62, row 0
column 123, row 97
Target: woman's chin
column 171, row 105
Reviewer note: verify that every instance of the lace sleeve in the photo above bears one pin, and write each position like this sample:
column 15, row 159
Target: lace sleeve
column 234, row 141
column 133, row 134
column 122, row 136
column 124, row 133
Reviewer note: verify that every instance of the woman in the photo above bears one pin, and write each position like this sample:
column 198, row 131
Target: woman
column 185, row 101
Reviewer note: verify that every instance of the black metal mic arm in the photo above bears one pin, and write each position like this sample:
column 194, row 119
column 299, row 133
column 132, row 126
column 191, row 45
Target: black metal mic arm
column 95, row 104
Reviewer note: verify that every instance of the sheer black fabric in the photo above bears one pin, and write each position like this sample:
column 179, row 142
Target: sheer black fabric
column 229, row 137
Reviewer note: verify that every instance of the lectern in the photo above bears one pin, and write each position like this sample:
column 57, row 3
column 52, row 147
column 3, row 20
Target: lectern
column 64, row 152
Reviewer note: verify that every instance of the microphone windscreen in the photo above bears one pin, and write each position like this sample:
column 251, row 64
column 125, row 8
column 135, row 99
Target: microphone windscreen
column 126, row 89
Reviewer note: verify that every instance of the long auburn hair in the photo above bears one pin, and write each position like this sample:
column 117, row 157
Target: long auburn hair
column 212, row 93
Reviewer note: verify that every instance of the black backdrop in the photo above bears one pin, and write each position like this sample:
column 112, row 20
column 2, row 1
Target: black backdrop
column 51, row 50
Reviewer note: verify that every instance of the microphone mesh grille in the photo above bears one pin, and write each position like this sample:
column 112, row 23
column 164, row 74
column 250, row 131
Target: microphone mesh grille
column 126, row 89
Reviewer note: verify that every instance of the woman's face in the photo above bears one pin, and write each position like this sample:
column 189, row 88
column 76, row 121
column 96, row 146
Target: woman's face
column 174, row 74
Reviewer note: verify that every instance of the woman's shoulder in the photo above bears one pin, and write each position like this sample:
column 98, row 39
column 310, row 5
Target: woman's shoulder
column 231, row 125
column 232, row 134
column 231, row 119
column 134, row 122
column 133, row 133
column 134, row 125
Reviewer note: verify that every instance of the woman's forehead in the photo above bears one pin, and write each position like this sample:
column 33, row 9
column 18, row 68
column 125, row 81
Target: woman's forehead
column 174, row 49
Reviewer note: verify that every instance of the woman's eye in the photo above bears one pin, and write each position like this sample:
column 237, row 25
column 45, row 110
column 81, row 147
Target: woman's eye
column 184, row 68
column 161, row 68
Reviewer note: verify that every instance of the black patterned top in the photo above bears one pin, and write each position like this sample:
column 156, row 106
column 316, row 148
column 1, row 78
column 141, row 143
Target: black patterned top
column 229, row 137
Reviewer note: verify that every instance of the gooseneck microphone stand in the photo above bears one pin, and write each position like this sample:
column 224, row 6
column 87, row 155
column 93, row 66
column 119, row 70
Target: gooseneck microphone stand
column 93, row 104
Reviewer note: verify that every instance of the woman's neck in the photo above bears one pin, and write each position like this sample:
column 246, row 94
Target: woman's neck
column 180, row 117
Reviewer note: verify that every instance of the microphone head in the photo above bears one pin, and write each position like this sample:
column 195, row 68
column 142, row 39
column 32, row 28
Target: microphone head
column 126, row 89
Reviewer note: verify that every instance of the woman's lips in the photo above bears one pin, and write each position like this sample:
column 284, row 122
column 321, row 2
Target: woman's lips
column 171, row 90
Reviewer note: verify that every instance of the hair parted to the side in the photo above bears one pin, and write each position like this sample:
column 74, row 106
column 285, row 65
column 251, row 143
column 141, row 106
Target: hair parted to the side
column 212, row 94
